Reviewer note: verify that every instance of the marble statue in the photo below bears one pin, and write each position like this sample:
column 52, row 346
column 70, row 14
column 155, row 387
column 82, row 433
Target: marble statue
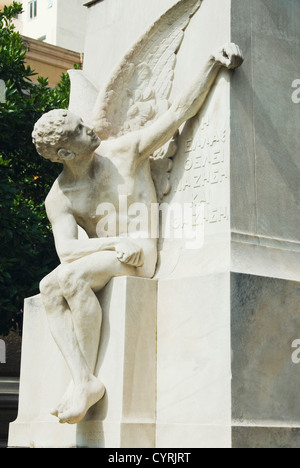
column 104, row 163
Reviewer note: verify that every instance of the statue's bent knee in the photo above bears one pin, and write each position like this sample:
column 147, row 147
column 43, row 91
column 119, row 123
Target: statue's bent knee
column 68, row 279
column 46, row 285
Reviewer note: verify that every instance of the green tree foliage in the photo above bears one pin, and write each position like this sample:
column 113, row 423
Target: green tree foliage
column 27, row 250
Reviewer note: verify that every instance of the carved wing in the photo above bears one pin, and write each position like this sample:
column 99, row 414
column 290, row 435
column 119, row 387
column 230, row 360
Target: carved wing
column 83, row 95
column 138, row 90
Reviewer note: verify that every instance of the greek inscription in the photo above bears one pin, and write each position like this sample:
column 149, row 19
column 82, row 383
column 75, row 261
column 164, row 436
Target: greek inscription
column 205, row 169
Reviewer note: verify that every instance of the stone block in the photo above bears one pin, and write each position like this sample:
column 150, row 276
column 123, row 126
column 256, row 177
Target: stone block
column 193, row 368
column 265, row 386
column 265, row 166
column 125, row 417
column 265, row 323
column 265, row 437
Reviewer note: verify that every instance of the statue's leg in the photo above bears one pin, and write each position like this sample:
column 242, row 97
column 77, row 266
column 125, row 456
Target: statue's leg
column 85, row 308
column 75, row 318
column 63, row 331
column 79, row 281
column 61, row 324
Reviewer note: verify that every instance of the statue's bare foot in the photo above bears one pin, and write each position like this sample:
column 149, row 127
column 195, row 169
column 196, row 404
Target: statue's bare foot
column 84, row 397
column 66, row 401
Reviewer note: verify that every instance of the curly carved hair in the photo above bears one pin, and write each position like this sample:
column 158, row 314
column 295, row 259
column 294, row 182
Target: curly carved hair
column 50, row 133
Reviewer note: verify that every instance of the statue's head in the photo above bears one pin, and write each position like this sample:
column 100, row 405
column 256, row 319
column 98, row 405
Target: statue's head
column 60, row 136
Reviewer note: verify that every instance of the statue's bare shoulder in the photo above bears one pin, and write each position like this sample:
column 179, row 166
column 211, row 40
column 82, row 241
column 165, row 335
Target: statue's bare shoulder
column 56, row 202
column 60, row 214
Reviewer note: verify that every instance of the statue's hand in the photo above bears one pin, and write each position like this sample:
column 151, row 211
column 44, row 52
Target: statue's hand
column 129, row 253
column 230, row 56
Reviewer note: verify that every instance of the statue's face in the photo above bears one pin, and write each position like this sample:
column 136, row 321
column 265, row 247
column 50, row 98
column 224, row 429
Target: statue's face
column 82, row 139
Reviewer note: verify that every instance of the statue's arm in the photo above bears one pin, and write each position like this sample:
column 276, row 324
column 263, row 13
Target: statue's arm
column 70, row 248
column 189, row 103
column 65, row 230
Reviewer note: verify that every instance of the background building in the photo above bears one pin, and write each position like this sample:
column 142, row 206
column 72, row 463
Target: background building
column 50, row 61
column 53, row 32
column 57, row 22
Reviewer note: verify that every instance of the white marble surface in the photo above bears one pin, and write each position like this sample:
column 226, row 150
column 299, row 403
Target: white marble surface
column 194, row 354
column 194, row 360
column 103, row 47
column 126, row 363
column 189, row 436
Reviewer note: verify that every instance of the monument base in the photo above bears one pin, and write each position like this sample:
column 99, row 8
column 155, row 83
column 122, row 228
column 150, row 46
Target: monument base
column 189, row 436
column 194, row 396
column 88, row 434
column 235, row 383
column 265, row 365
column 225, row 370
column 265, row 437
column 125, row 417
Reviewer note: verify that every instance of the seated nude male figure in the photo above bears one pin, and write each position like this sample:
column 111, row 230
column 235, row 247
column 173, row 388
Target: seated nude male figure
column 93, row 175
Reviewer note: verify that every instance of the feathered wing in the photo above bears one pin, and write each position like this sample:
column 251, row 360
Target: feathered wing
column 83, row 95
column 138, row 90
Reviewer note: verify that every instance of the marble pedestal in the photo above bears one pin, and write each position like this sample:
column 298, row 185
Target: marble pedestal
column 226, row 374
column 127, row 364
column 194, row 395
column 265, row 322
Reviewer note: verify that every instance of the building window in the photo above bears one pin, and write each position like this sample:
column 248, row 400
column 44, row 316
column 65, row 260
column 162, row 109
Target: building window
column 33, row 9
